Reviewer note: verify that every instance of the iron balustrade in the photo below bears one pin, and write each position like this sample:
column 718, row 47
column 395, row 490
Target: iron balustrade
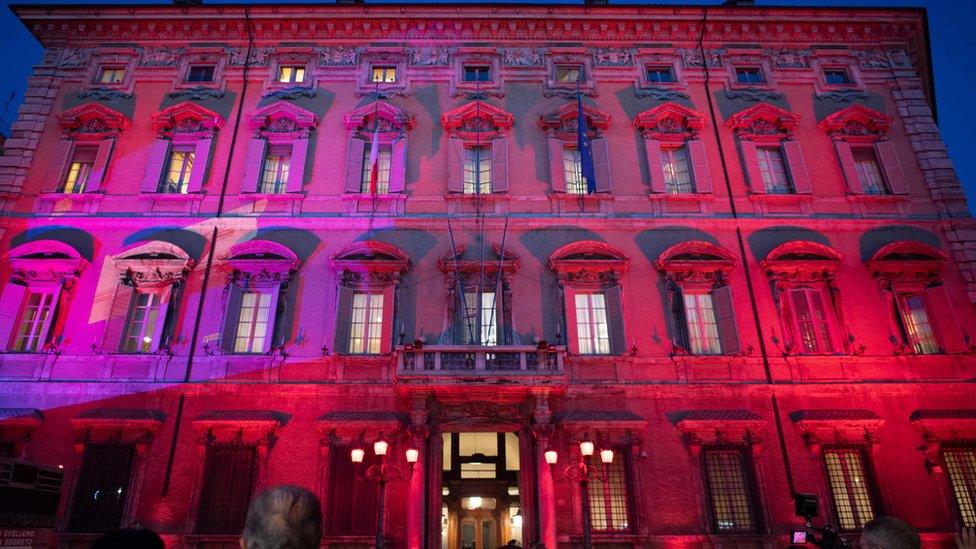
column 480, row 360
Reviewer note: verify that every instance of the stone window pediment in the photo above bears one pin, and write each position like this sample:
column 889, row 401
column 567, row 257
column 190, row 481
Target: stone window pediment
column 719, row 427
column 92, row 122
column 477, row 120
column 764, row 123
column 868, row 158
column 589, row 261
column 277, row 153
column 186, row 121
column 856, row 123
column 392, row 121
column 388, row 125
column 261, row 263
column 45, row 262
column 696, row 262
column 855, row 427
column 802, row 260
column 463, row 262
column 563, row 121
column 908, row 263
column 116, row 425
column 670, row 122
column 282, row 119
column 153, row 263
column 676, row 157
column 242, row 426
column 370, row 261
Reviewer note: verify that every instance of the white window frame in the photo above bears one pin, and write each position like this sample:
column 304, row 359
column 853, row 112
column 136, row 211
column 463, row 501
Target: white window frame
column 668, row 161
column 594, row 341
column 921, row 343
column 181, row 184
column 573, row 168
column 294, row 70
column 251, row 342
column 763, row 155
column 189, row 70
column 366, row 329
column 384, row 73
column 149, row 330
column 34, row 331
column 118, row 71
column 277, row 165
column 485, row 317
column 481, row 156
column 697, row 323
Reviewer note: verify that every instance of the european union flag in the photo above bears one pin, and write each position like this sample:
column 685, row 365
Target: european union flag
column 583, row 143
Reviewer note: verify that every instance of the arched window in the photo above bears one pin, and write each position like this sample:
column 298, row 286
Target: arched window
column 179, row 158
column 478, row 151
column 376, row 159
column 802, row 275
column 771, row 154
column 675, row 153
column 701, row 309
column 866, row 156
column 565, row 169
column 34, row 303
column 151, row 276
column 80, row 159
column 258, row 273
column 369, row 275
column 920, row 313
column 278, row 151
column 589, row 276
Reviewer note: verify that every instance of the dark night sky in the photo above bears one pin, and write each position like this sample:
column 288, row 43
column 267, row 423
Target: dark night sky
column 953, row 38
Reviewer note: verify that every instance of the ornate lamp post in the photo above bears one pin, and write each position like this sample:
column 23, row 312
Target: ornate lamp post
column 382, row 473
column 583, row 472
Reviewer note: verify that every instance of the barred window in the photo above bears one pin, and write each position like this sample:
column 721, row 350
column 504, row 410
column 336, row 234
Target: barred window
column 351, row 506
column 731, row 490
column 608, row 499
column 961, row 466
column 850, row 487
column 103, row 488
column 228, row 481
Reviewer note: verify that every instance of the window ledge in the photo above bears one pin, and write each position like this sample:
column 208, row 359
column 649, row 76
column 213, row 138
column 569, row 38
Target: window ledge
column 682, row 197
column 595, row 197
column 386, row 197
column 68, row 203
column 878, row 198
column 278, row 197
column 781, row 198
column 462, row 197
column 94, row 196
column 172, row 197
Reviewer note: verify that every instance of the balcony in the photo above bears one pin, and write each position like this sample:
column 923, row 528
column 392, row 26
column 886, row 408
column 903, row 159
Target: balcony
column 475, row 360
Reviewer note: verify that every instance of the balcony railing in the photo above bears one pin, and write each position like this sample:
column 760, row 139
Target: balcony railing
column 480, row 360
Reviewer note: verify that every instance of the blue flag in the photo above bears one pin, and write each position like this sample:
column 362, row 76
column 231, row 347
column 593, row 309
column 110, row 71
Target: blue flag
column 586, row 154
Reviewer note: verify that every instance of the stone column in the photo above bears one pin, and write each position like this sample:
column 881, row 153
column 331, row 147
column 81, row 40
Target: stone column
column 417, row 492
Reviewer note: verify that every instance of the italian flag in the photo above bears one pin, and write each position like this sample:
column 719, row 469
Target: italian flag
column 374, row 161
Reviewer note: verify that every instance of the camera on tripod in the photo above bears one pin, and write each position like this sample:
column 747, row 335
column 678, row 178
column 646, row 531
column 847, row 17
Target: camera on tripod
column 806, row 506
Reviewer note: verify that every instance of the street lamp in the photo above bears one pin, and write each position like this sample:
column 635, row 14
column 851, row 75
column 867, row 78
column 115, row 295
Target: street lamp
column 382, row 473
column 583, row 472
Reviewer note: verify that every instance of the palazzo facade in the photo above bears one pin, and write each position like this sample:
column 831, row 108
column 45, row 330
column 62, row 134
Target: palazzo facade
column 243, row 243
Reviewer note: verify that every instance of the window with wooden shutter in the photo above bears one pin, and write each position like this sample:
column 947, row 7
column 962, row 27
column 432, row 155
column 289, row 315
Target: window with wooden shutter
column 118, row 317
column 11, row 302
column 81, row 159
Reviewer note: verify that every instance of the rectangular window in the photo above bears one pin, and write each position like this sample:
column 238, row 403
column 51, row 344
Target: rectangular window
column 102, row 488
column 142, row 326
column 274, row 173
column 477, row 170
column 351, row 503
column 200, row 73
column 702, row 329
column 79, row 170
column 810, row 312
column 677, row 171
column 178, row 171
column 479, row 325
column 110, row 75
column 608, row 499
column 850, row 487
column 366, row 327
column 568, row 74
column 868, row 170
column 592, row 330
column 575, row 182
column 383, row 75
column 34, row 322
column 477, row 73
column 773, row 170
column 291, row 74
column 961, row 468
column 836, row 77
column 253, row 322
column 384, row 154
column 749, row 75
column 659, row 75
column 916, row 324
column 229, row 472
column 731, row 493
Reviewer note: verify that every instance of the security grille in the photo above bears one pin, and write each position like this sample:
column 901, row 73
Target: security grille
column 731, row 492
column 103, row 488
column 850, row 487
column 228, row 482
column 608, row 500
column 352, row 502
column 961, row 466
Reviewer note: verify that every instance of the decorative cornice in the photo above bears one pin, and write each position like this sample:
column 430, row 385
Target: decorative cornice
column 294, row 92
column 197, row 93
column 103, row 94
column 844, row 96
column 752, row 94
column 661, row 94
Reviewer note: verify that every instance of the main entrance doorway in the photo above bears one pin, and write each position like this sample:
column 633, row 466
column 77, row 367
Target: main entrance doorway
column 480, row 500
